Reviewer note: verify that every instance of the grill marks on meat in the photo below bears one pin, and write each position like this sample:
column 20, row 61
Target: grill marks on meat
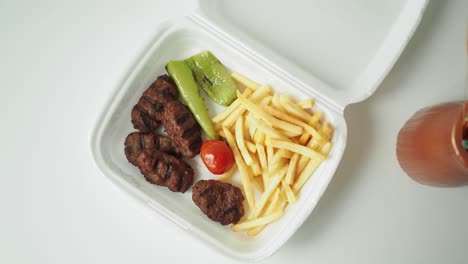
column 221, row 202
column 182, row 128
column 149, row 107
column 136, row 142
column 165, row 170
column 142, row 120
column 147, row 113
column 165, row 86
column 159, row 104
column 158, row 157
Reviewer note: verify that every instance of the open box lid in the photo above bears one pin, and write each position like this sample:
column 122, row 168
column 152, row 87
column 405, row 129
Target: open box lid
column 341, row 49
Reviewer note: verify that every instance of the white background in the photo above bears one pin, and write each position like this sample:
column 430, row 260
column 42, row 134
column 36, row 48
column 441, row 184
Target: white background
column 59, row 61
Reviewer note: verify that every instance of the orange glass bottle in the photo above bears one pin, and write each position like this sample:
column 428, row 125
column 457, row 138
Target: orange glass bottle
column 429, row 146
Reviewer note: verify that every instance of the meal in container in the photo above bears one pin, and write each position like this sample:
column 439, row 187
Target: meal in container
column 274, row 141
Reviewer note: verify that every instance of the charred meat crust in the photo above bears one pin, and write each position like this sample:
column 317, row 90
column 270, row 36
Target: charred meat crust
column 165, row 170
column 136, row 142
column 142, row 119
column 159, row 104
column 221, row 202
column 165, row 86
column 147, row 113
column 182, row 128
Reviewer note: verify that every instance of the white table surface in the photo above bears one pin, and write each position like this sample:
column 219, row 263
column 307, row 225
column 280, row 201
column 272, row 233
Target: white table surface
column 59, row 61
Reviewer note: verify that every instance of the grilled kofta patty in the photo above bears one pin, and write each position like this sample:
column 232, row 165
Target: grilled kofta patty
column 165, row 170
column 142, row 119
column 136, row 142
column 165, row 86
column 221, row 202
column 148, row 112
column 159, row 104
column 182, row 128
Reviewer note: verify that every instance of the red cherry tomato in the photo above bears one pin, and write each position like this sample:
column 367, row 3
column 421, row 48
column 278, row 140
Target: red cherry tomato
column 217, row 156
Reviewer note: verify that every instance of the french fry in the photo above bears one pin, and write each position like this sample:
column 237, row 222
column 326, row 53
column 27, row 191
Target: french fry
column 296, row 139
column 305, row 174
column 270, row 120
column 254, row 231
column 327, row 131
column 273, row 184
column 303, row 138
column 325, row 149
column 283, row 196
column 251, row 125
column 290, row 130
column 255, row 109
column 247, row 127
column 266, row 101
column 311, row 130
column 306, row 104
column 251, row 147
column 252, row 129
column 255, row 166
column 261, row 92
column 221, row 133
column 301, row 164
column 276, row 165
column 303, row 160
column 291, row 172
column 294, row 147
column 258, row 94
column 309, row 169
column 266, row 179
column 276, row 102
column 239, row 134
column 275, row 201
column 314, row 122
column 245, row 177
column 259, row 137
column 293, row 109
column 244, row 81
column 258, row 221
column 231, row 108
column 269, row 151
column 314, row 143
column 228, row 174
column 231, row 119
column 282, row 153
column 287, row 118
column 258, row 183
column 289, row 193
column 217, row 126
column 282, row 203
column 263, row 127
column 261, row 156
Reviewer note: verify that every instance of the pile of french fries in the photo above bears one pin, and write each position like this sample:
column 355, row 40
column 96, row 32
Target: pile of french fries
column 277, row 145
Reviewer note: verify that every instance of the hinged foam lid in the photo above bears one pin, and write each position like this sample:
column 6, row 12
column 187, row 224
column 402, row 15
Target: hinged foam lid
column 343, row 49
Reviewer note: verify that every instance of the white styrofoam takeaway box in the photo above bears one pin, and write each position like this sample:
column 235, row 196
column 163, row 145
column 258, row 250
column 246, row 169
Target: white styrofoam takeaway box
column 336, row 52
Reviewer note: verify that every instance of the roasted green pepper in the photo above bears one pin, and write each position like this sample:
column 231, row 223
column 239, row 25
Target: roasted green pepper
column 188, row 88
column 213, row 77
